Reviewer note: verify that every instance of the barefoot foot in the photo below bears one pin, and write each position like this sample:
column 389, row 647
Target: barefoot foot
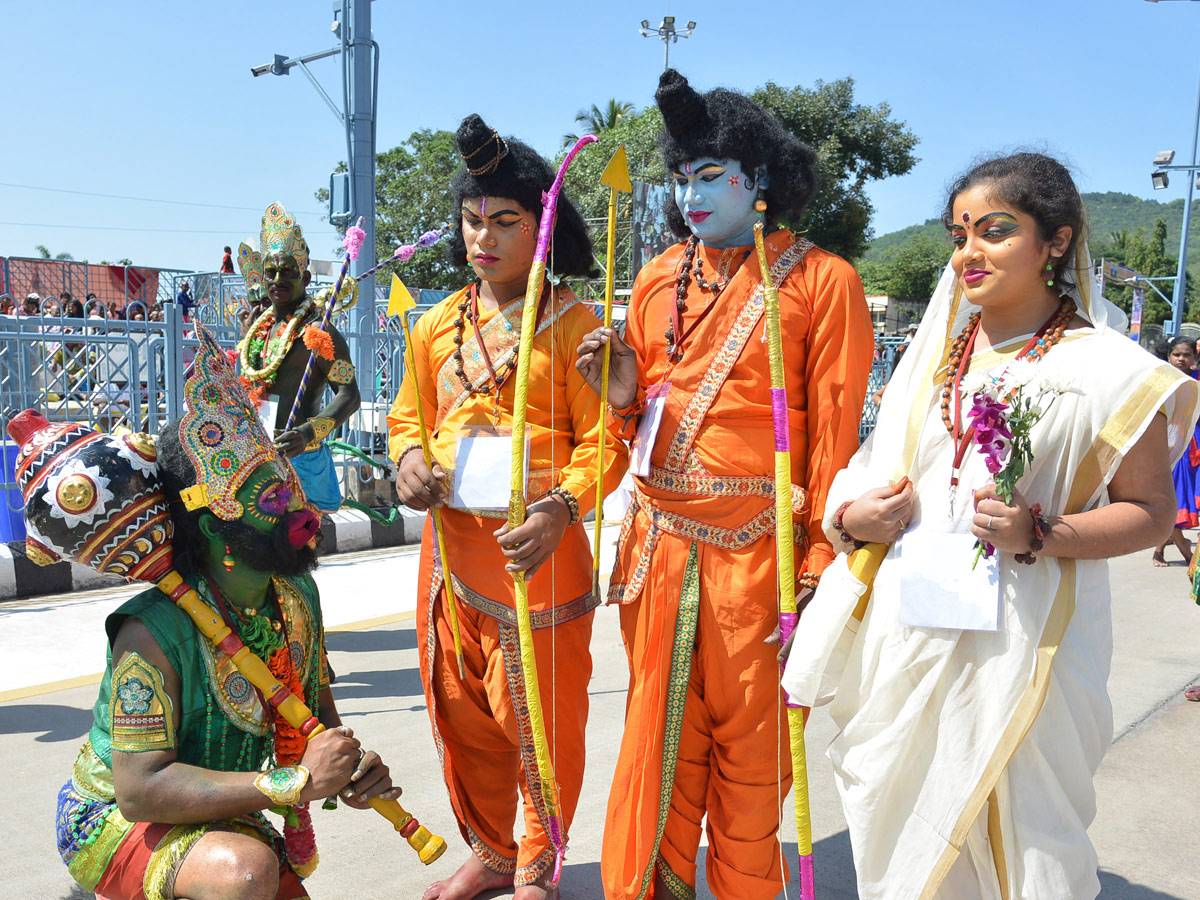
column 1193, row 693
column 535, row 892
column 471, row 880
column 1158, row 560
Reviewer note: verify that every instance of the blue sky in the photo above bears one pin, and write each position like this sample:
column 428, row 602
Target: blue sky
column 155, row 100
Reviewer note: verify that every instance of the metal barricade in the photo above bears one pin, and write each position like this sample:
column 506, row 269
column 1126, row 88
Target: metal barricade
column 882, row 365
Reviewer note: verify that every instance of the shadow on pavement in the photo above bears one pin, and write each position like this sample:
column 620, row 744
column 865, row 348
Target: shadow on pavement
column 1114, row 887
column 50, row 723
column 374, row 640
column 385, row 683
column 78, row 893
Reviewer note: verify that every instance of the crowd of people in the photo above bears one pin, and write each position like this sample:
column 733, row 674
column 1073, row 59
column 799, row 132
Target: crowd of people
column 951, row 572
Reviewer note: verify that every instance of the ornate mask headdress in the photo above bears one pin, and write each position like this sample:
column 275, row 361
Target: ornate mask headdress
column 279, row 233
column 222, row 435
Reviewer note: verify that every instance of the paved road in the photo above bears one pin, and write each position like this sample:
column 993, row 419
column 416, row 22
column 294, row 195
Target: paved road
column 1147, row 785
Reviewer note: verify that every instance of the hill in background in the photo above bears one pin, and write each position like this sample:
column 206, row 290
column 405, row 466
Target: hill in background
column 1107, row 213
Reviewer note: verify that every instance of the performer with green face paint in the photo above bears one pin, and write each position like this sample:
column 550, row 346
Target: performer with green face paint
column 273, row 361
column 184, row 755
column 706, row 734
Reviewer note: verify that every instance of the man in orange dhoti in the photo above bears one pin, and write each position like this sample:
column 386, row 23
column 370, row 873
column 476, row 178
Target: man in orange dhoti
column 706, row 727
column 464, row 352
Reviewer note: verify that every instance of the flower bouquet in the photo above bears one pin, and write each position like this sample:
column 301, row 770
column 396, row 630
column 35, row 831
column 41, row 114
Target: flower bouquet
column 1004, row 409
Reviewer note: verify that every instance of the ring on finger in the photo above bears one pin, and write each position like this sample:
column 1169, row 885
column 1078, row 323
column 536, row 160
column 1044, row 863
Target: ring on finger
column 361, row 754
column 988, row 526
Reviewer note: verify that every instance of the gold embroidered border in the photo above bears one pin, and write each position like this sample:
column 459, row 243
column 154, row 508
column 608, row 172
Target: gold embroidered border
column 141, row 716
column 506, row 615
column 510, row 647
column 676, row 885
column 677, row 684
column 451, row 393
column 535, row 870
column 723, row 361
column 497, row 862
column 88, row 865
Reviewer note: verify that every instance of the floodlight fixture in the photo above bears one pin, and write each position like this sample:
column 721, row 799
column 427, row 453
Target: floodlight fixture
column 645, row 23
column 668, row 22
column 1164, row 157
column 691, row 26
column 1159, row 180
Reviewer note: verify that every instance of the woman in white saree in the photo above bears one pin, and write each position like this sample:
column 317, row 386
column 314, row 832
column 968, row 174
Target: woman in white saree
column 971, row 703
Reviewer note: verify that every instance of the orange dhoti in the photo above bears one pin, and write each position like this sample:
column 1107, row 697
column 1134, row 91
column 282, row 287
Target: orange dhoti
column 481, row 724
column 706, row 728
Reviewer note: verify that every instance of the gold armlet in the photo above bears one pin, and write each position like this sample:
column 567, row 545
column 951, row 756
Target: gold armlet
column 282, row 785
column 341, row 371
column 322, row 427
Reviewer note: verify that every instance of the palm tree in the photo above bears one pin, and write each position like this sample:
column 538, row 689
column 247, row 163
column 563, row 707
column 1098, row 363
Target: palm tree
column 597, row 120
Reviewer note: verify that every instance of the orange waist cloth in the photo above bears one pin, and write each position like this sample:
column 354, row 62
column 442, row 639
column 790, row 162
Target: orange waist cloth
column 560, row 591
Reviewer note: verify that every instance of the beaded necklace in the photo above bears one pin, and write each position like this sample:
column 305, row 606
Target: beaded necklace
column 960, row 359
column 266, row 346
column 693, row 267
column 469, row 309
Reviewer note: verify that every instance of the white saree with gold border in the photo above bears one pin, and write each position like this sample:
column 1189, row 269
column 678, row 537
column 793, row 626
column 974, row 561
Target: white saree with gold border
column 964, row 759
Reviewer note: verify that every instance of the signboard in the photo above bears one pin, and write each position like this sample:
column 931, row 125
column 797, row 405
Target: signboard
column 1135, row 317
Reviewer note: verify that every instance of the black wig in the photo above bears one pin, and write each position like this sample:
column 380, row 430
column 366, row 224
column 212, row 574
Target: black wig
column 505, row 167
column 724, row 124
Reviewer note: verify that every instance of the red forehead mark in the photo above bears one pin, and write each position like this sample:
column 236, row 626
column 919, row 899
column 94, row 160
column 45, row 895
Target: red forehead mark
column 966, row 217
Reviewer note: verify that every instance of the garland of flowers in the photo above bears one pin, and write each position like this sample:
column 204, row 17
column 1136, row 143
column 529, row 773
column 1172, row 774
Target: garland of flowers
column 265, row 639
column 262, row 351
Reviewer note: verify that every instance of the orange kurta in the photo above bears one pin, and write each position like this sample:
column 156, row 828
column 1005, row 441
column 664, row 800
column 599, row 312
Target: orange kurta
column 478, row 724
column 706, row 729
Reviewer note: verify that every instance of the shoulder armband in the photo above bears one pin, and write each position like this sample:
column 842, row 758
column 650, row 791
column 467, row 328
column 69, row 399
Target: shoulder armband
column 341, row 371
column 142, row 717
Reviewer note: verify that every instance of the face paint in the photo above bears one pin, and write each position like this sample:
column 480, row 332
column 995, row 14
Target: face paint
column 284, row 279
column 966, row 217
column 265, row 498
column 710, row 195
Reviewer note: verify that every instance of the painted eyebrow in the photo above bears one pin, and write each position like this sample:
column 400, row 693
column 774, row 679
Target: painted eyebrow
column 495, row 215
column 1001, row 215
column 707, row 166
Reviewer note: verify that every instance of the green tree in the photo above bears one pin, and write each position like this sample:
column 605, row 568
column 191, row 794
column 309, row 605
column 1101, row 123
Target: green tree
column 1148, row 257
column 912, row 271
column 412, row 196
column 855, row 144
column 597, row 121
column 44, row 253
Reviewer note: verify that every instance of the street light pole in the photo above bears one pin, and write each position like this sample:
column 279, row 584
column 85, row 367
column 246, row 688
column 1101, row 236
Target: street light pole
column 666, row 32
column 1181, row 273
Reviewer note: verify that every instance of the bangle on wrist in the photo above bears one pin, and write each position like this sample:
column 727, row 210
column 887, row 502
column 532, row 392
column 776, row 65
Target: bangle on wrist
column 1040, row 527
column 808, row 580
column 569, row 499
column 842, row 532
column 283, row 784
column 321, row 427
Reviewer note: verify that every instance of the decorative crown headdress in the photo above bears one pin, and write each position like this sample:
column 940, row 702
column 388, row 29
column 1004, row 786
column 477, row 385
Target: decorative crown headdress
column 222, row 435
column 279, row 233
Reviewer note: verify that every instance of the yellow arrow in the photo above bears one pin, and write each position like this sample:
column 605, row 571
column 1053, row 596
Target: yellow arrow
column 616, row 179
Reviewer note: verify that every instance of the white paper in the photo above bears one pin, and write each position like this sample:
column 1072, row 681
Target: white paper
column 647, row 431
column 268, row 412
column 938, row 587
column 483, row 470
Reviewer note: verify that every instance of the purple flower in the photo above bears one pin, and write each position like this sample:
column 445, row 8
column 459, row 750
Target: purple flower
column 988, row 417
column 429, row 238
